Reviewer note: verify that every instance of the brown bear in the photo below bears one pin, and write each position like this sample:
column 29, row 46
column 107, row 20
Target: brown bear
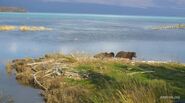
column 128, row 55
column 104, row 55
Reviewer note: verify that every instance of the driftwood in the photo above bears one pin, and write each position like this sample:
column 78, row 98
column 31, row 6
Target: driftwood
column 57, row 69
column 33, row 68
column 38, row 63
column 37, row 82
column 47, row 75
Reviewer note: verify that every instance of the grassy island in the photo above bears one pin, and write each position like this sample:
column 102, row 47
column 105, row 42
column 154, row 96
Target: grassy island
column 85, row 79
column 11, row 9
column 23, row 28
column 164, row 27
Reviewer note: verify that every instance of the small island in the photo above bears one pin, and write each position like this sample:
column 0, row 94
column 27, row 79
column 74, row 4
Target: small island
column 170, row 27
column 79, row 78
column 23, row 28
column 12, row 9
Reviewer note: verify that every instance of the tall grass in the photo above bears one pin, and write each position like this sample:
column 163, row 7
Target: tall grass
column 108, row 81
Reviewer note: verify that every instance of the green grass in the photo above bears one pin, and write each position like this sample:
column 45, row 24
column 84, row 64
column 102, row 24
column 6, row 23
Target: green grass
column 173, row 74
column 111, row 82
column 114, row 81
column 166, row 80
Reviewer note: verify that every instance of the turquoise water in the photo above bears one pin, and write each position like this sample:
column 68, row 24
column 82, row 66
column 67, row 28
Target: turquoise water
column 85, row 33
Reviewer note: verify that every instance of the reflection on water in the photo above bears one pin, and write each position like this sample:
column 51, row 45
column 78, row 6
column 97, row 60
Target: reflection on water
column 85, row 33
column 19, row 93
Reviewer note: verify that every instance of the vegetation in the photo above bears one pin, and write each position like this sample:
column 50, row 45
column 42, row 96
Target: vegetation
column 84, row 79
column 23, row 28
column 11, row 9
column 33, row 28
column 177, row 26
column 7, row 28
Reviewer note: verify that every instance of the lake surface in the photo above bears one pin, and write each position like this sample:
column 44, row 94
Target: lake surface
column 85, row 33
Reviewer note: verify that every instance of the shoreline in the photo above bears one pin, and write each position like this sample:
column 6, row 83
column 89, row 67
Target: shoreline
column 82, row 78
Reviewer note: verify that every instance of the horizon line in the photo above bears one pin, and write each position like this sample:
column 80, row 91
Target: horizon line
column 94, row 14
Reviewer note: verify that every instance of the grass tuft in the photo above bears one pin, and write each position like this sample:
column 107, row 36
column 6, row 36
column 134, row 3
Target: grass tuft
column 92, row 80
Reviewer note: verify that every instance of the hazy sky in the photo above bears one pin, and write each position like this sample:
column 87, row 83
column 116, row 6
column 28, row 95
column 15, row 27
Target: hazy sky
column 127, row 7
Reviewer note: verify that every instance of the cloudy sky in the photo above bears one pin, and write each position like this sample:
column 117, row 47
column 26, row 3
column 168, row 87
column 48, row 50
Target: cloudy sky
column 125, row 7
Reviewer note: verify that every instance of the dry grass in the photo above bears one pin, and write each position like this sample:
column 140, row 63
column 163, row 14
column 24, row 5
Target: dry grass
column 163, row 27
column 101, row 80
column 7, row 27
column 23, row 28
column 33, row 28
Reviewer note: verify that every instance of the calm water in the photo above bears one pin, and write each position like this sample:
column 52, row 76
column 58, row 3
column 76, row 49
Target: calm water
column 85, row 33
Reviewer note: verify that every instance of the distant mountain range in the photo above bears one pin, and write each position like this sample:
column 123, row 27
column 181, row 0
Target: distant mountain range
column 12, row 9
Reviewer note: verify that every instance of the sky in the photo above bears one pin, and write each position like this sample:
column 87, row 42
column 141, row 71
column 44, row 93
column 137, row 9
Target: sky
column 119, row 7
